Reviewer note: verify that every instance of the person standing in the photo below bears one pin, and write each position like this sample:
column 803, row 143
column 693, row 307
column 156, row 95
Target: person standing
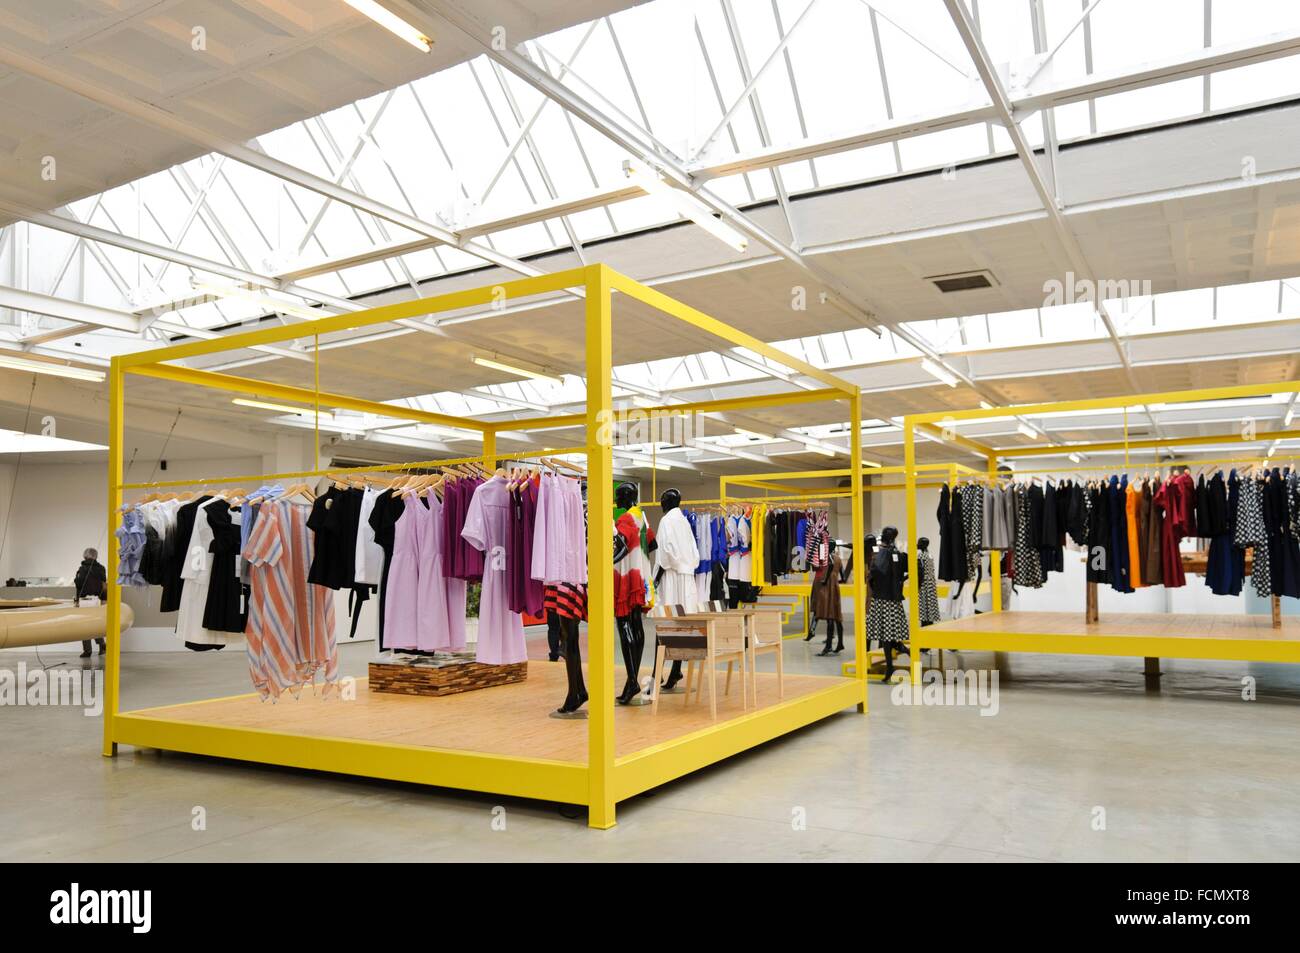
column 91, row 580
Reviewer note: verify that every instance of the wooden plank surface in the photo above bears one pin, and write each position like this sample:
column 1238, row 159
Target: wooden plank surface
column 1120, row 624
column 509, row 719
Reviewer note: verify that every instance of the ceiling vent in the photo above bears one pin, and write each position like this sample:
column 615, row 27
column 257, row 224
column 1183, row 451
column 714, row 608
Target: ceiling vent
column 964, row 281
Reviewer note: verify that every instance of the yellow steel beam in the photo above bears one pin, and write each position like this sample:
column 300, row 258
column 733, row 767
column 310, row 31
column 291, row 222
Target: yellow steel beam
column 600, row 553
column 752, row 402
column 1147, row 444
column 344, row 471
column 418, row 307
column 684, row 312
column 561, row 781
column 858, row 590
column 950, row 435
column 113, row 610
column 1111, row 403
column 248, row 385
column 913, row 600
column 665, row 762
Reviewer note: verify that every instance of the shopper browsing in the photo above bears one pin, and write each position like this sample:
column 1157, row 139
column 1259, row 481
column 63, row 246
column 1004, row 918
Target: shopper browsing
column 91, row 580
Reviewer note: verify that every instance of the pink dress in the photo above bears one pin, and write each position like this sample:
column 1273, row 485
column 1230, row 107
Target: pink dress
column 487, row 529
column 423, row 609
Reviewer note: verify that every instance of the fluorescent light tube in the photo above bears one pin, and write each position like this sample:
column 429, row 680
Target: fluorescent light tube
column 1076, row 458
column 934, row 370
column 986, row 405
column 282, row 408
column 54, row 370
column 685, row 204
column 754, row 433
column 516, row 369
column 392, row 23
column 1027, row 431
column 15, row 441
column 266, row 301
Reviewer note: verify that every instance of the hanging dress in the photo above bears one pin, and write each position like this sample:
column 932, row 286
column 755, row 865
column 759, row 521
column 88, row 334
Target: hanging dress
column 927, row 591
column 486, row 529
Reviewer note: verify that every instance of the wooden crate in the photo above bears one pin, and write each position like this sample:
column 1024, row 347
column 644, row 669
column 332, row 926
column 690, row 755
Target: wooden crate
column 448, row 680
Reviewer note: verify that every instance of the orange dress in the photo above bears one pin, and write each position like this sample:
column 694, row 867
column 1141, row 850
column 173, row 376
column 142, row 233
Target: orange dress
column 1131, row 503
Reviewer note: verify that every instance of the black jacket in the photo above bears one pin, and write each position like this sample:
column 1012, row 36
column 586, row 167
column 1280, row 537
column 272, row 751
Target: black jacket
column 888, row 573
column 91, row 579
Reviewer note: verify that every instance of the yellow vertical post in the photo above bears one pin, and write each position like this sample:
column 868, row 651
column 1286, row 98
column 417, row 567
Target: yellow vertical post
column 489, row 450
column 113, row 612
column 859, row 531
column 600, row 551
column 995, row 560
column 913, row 590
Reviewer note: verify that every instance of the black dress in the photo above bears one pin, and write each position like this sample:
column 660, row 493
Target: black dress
column 383, row 520
column 886, row 617
column 952, row 562
column 172, row 582
column 1283, row 548
column 223, row 612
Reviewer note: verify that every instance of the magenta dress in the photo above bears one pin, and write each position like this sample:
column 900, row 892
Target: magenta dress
column 487, row 529
column 440, row 600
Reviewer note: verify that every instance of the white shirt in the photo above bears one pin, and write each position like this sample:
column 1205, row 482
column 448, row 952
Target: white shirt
column 369, row 554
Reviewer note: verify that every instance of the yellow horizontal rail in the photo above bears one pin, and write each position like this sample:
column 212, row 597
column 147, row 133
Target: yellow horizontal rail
column 677, row 309
column 248, row 385
column 344, row 471
column 665, row 411
column 418, row 307
column 1153, row 443
column 1111, row 403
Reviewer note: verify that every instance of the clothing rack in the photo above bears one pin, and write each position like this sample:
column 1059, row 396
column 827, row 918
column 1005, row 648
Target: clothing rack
column 1190, row 465
column 333, row 471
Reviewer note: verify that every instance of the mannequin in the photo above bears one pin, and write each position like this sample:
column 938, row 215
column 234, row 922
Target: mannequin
column 886, row 617
column 677, row 556
column 927, row 591
column 633, row 542
column 824, row 599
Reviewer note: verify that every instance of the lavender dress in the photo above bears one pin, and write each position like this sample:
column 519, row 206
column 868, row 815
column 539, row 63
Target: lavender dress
column 487, row 529
column 401, row 602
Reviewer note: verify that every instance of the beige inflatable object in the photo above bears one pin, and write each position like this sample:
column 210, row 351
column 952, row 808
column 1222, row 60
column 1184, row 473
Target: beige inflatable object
column 50, row 624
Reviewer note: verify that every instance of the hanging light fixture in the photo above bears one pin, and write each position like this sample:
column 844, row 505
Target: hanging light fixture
column 392, row 23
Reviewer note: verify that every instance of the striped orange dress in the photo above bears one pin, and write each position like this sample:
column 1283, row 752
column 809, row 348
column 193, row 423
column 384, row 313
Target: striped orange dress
column 290, row 630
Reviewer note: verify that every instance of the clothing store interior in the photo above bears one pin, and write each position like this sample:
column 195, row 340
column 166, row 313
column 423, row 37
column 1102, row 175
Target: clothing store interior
column 416, row 415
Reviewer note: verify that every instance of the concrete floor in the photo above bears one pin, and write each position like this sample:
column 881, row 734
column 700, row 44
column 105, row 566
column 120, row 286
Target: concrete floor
column 1191, row 773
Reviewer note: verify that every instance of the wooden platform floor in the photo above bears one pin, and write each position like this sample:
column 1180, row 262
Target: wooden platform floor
column 508, row 720
column 1137, row 624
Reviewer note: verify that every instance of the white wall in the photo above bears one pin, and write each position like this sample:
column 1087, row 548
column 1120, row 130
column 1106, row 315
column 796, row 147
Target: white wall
column 58, row 509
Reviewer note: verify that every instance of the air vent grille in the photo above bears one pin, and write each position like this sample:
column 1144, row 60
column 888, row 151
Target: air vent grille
column 963, row 281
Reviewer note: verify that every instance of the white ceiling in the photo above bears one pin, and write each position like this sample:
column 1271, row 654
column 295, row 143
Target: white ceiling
column 265, row 64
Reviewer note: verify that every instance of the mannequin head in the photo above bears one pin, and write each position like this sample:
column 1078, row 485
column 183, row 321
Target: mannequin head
column 625, row 496
column 923, row 544
column 670, row 499
column 888, row 535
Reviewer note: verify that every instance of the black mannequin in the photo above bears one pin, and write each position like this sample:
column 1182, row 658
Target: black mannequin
column 631, row 633
column 922, row 546
column 888, row 573
column 669, row 500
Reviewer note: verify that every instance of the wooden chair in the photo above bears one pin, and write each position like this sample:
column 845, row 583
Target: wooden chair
column 699, row 639
column 765, row 636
